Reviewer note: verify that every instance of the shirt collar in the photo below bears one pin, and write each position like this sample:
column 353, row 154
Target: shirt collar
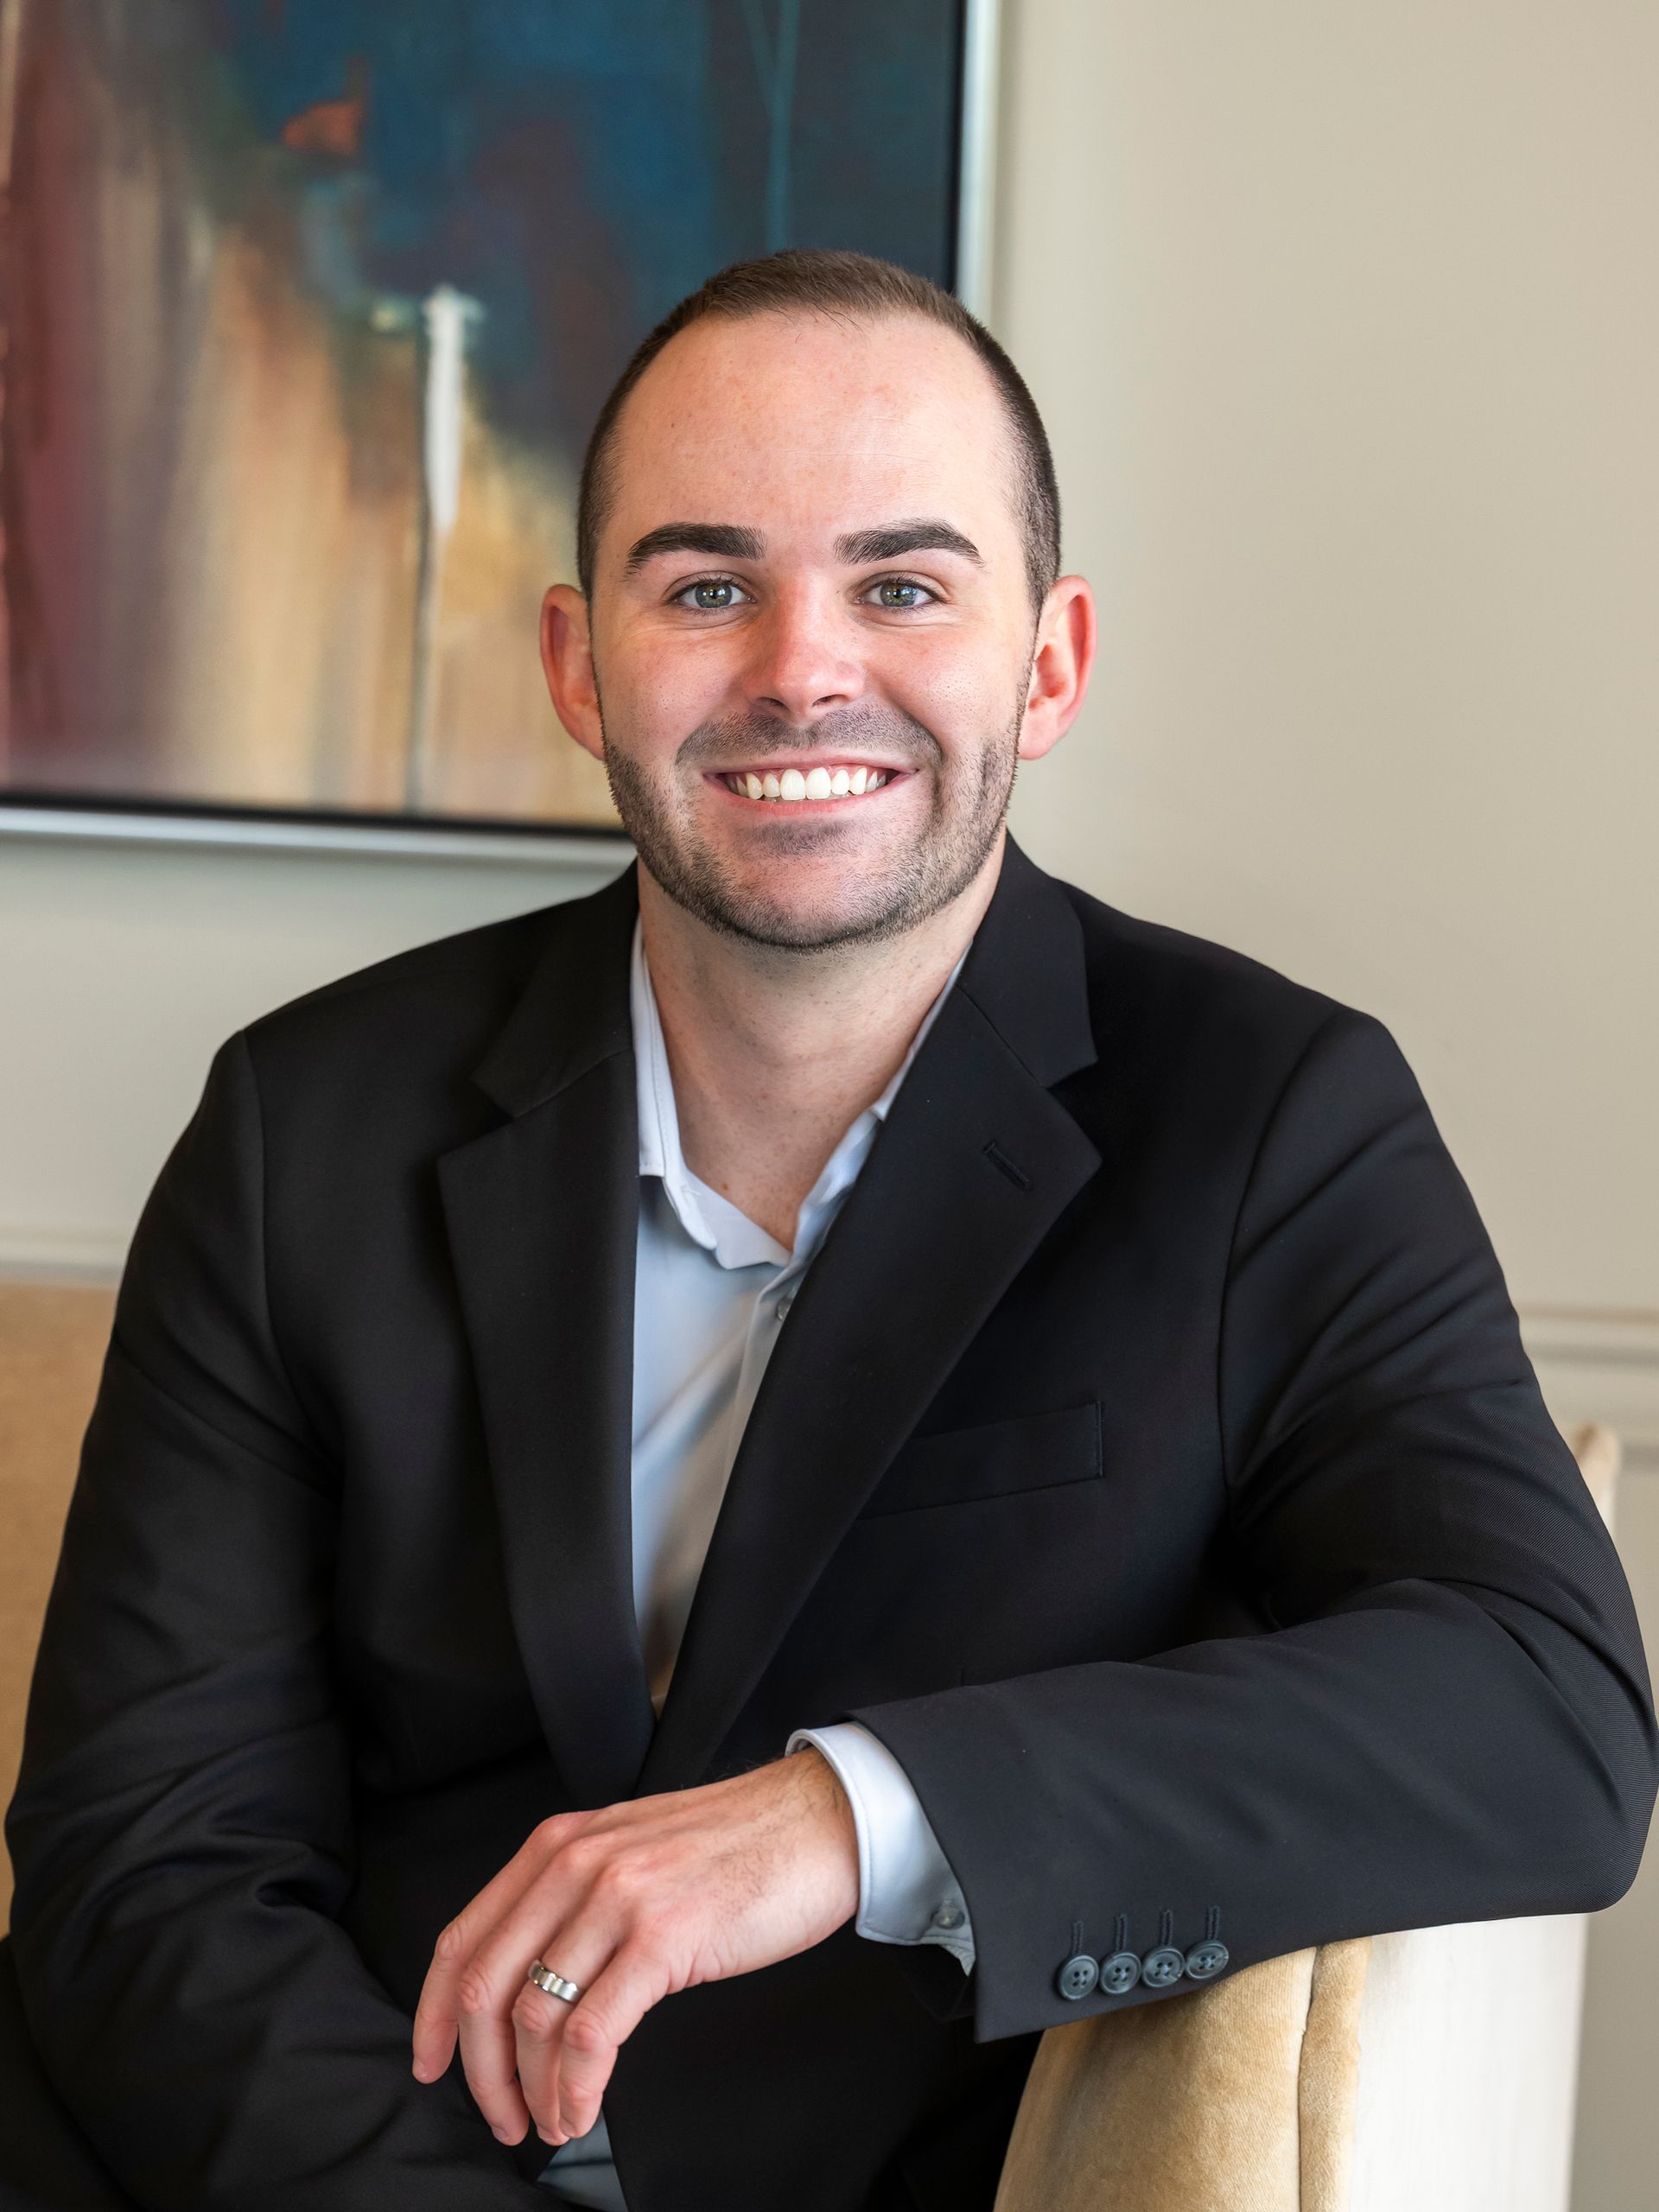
column 707, row 1217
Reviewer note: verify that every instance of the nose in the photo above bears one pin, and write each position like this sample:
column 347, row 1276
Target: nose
column 801, row 666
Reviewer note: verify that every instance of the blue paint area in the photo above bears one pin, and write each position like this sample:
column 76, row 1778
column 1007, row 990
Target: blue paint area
column 577, row 165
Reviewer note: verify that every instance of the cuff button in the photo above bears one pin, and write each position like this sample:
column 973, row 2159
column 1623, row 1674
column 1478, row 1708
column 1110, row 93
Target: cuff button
column 1205, row 1961
column 1163, row 1968
column 1077, row 1977
column 1119, row 1974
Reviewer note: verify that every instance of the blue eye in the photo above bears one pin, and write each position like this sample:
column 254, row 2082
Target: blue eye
column 900, row 592
column 711, row 595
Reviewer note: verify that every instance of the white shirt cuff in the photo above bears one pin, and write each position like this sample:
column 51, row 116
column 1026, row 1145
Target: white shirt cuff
column 907, row 1891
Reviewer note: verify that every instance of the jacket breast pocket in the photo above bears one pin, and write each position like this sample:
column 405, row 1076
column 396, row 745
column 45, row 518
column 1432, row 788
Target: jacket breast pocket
column 1000, row 1458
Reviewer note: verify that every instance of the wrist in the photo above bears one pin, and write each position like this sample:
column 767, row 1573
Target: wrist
column 830, row 1811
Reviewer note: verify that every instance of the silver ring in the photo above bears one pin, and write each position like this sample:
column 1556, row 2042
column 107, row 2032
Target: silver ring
column 554, row 1984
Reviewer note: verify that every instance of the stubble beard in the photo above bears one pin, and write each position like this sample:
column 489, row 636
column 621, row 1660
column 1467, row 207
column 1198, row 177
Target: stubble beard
column 948, row 849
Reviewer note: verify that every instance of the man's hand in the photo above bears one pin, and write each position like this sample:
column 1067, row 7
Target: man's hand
column 631, row 1904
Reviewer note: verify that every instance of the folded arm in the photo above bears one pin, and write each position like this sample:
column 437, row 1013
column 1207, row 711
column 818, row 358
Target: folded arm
column 1449, row 1719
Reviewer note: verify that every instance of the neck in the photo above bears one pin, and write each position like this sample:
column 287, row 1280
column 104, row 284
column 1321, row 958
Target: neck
column 774, row 1054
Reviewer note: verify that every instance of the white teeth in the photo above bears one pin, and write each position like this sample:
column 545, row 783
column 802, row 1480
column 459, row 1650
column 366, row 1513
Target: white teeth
column 816, row 783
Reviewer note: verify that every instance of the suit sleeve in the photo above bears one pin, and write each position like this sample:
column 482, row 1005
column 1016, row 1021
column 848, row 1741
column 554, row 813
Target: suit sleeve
column 182, row 1830
column 1448, row 1718
column 906, row 1892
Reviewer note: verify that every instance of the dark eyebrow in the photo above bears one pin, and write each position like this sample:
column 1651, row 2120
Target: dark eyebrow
column 895, row 538
column 721, row 541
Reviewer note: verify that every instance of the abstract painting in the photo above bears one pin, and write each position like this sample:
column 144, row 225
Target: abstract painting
column 306, row 307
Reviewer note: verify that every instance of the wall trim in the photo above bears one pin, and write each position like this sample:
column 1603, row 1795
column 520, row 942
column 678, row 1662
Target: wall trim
column 35, row 1255
column 1600, row 1363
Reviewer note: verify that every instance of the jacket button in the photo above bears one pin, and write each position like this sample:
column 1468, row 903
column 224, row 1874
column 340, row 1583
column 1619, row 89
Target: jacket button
column 1162, row 1968
column 1205, row 1961
column 1077, row 1977
column 1119, row 1974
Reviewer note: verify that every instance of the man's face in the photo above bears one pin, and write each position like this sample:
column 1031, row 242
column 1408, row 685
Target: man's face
column 811, row 633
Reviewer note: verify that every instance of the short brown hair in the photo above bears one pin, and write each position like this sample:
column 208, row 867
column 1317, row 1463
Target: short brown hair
column 815, row 279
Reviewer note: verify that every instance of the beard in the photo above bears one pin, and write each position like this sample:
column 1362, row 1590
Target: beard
column 943, row 857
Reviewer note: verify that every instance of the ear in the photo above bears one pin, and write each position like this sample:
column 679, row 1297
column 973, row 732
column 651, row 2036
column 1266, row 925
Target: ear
column 1060, row 666
column 567, row 663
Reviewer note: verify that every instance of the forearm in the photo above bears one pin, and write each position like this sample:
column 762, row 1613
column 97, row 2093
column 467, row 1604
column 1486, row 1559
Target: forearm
column 1411, row 1761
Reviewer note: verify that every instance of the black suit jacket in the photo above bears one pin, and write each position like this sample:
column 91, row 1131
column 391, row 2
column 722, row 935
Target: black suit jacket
column 1150, row 1459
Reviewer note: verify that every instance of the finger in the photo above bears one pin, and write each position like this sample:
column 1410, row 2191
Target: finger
column 579, row 1951
column 575, row 1898
column 489, row 2052
column 436, row 2013
column 539, row 2022
column 597, row 2026
column 505, row 2073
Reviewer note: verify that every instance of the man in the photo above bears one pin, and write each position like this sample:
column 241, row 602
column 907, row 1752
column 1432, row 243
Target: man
column 837, row 1287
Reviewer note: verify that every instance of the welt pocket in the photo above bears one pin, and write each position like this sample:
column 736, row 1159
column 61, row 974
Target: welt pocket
column 1033, row 1451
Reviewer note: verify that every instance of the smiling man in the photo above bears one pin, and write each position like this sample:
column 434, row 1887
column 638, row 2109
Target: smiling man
column 711, row 1507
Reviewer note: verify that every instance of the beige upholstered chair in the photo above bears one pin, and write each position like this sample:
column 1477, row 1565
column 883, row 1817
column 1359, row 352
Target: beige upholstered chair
column 1432, row 2071
column 51, row 1340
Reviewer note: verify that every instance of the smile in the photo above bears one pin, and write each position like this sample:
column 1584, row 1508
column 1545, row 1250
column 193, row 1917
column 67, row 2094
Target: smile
column 792, row 786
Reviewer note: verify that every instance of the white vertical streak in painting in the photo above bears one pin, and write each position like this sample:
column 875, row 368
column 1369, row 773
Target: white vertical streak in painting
column 976, row 167
column 447, row 313
column 11, row 37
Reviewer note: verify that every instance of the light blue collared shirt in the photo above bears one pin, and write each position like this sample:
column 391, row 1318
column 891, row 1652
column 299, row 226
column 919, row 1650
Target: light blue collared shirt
column 712, row 1290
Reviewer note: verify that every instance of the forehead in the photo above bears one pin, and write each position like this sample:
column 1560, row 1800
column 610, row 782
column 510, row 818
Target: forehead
column 808, row 424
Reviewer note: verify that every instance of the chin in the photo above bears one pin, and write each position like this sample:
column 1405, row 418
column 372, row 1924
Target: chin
column 799, row 924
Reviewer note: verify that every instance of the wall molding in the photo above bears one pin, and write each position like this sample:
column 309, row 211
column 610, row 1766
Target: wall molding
column 35, row 1255
column 1600, row 1363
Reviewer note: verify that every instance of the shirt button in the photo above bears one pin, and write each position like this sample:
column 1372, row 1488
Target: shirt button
column 784, row 1305
column 949, row 1916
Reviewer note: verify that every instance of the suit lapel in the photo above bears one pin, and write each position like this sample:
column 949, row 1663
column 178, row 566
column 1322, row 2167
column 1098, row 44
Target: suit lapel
column 974, row 1165
column 541, row 1215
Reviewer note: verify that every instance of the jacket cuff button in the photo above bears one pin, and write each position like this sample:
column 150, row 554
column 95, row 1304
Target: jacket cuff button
column 1119, row 1974
column 1163, row 1968
column 1077, row 1977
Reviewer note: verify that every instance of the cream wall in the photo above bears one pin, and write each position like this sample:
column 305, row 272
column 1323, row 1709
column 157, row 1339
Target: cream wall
column 123, row 966
column 1346, row 323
